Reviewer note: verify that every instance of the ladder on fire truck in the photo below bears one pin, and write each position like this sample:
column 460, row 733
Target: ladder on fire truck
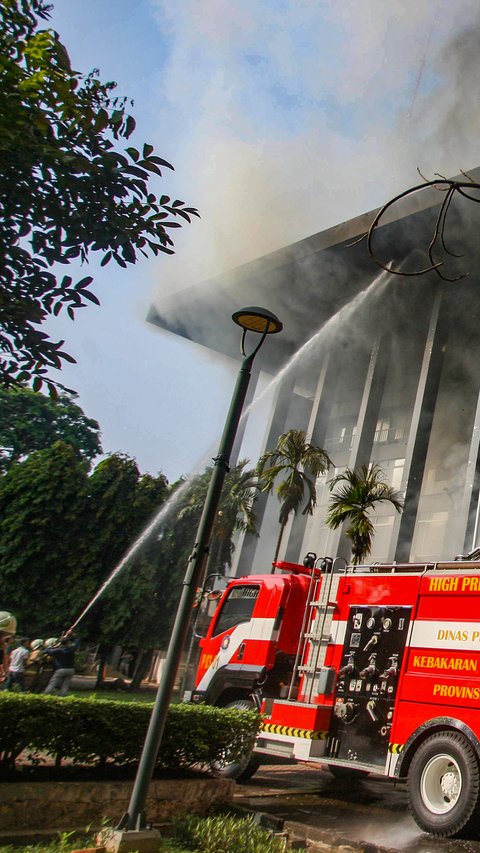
column 315, row 633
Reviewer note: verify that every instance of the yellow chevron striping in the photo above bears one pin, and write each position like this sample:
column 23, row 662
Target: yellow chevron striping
column 290, row 731
column 395, row 748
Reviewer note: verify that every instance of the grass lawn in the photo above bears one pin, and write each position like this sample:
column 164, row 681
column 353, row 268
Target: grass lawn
column 221, row 833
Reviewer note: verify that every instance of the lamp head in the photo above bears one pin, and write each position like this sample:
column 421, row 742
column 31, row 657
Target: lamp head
column 259, row 320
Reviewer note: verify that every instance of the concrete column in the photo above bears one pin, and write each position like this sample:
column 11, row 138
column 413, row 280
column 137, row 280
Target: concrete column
column 243, row 562
column 419, row 433
column 316, row 429
column 468, row 517
column 368, row 414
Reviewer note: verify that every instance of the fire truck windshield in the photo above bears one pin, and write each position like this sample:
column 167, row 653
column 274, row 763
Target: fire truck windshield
column 237, row 608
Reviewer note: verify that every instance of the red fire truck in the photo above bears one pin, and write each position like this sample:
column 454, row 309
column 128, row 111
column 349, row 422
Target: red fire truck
column 367, row 669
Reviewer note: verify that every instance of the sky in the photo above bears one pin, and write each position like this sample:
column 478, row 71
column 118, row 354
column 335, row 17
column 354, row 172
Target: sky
column 282, row 118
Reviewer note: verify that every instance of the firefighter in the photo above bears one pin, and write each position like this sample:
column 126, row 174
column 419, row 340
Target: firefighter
column 63, row 656
column 8, row 627
column 39, row 666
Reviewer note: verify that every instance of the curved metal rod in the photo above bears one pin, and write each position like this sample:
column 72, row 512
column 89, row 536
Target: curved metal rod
column 242, row 344
column 442, row 235
column 438, row 234
column 466, row 195
column 442, row 184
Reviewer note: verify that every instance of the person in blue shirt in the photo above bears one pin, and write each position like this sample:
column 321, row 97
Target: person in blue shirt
column 63, row 657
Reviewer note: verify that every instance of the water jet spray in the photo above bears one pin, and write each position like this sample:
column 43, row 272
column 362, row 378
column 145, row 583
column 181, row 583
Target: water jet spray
column 326, row 329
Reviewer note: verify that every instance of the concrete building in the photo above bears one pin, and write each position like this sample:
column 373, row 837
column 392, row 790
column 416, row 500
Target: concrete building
column 375, row 367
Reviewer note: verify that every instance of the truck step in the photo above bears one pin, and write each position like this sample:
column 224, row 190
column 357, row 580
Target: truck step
column 309, row 670
column 323, row 638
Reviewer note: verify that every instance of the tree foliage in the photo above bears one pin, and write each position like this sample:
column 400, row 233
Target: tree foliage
column 358, row 490
column 296, row 463
column 235, row 512
column 43, row 502
column 67, row 188
column 63, row 531
column 31, row 421
column 123, row 504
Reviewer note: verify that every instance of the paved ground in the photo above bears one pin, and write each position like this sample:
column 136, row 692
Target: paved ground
column 368, row 816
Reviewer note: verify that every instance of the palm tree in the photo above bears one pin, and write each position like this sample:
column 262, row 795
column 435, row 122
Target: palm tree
column 235, row 512
column 361, row 489
column 292, row 457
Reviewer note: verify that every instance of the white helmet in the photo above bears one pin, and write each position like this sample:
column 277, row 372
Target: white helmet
column 50, row 642
column 36, row 644
column 8, row 623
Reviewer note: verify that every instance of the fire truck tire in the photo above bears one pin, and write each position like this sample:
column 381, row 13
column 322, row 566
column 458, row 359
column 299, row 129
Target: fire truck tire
column 346, row 773
column 444, row 785
column 243, row 770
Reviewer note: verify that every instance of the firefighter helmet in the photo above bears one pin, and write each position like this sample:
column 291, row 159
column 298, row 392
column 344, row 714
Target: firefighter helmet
column 8, row 623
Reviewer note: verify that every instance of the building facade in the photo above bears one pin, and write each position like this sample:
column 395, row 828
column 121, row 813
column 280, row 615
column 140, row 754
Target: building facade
column 375, row 367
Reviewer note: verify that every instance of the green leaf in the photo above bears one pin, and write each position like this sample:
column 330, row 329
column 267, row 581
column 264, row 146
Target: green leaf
column 151, row 167
column 66, row 357
column 130, row 125
column 84, row 282
column 162, row 162
column 91, row 297
column 128, row 252
column 101, row 121
column 117, row 117
column 75, row 188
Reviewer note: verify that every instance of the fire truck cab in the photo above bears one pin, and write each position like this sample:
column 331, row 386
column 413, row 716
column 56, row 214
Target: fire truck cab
column 367, row 669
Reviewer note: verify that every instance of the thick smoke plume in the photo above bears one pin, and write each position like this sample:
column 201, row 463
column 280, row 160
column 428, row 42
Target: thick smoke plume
column 293, row 116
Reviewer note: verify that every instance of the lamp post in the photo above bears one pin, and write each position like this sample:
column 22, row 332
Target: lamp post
column 263, row 322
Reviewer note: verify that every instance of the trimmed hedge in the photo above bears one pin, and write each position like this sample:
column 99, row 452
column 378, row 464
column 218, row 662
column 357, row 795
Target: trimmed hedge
column 96, row 731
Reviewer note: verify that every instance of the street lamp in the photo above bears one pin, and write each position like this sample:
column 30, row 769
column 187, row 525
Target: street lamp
column 263, row 322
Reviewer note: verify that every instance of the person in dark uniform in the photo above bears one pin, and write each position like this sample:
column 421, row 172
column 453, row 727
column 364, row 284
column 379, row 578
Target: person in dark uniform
column 63, row 657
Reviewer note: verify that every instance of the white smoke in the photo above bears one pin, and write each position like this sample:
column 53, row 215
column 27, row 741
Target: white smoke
column 292, row 116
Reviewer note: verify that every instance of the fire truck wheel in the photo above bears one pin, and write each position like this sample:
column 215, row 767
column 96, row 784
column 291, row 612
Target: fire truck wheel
column 244, row 769
column 346, row 773
column 444, row 785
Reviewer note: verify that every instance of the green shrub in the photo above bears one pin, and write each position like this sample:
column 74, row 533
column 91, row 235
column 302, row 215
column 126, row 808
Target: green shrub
column 222, row 833
column 64, row 843
column 96, row 731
